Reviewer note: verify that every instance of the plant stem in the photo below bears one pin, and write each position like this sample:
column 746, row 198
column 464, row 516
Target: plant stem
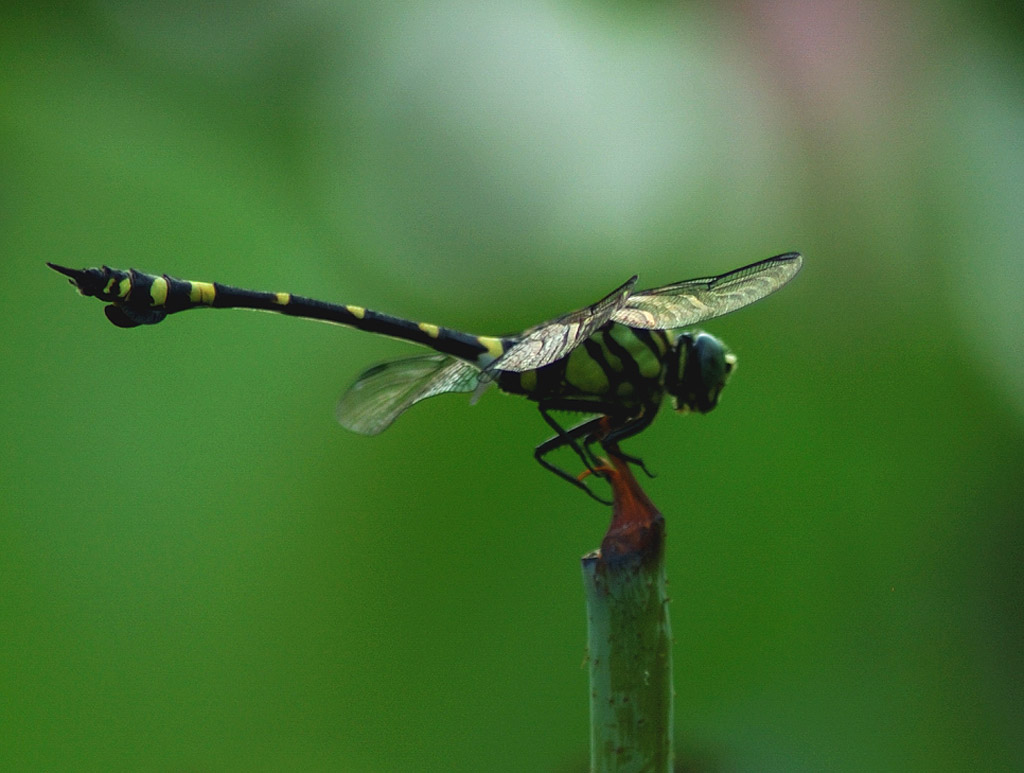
column 629, row 638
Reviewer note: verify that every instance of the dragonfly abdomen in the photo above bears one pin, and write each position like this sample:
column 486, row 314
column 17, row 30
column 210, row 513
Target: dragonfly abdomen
column 138, row 298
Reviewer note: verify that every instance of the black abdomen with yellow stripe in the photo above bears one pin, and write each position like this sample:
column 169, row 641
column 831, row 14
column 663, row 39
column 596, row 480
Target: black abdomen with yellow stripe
column 617, row 358
column 144, row 299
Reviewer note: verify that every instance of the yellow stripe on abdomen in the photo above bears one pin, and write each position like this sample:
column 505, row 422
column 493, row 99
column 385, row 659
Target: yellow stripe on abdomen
column 493, row 346
column 202, row 293
column 158, row 291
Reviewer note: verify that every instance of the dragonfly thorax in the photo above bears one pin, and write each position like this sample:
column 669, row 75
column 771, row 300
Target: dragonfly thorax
column 618, row 370
column 698, row 370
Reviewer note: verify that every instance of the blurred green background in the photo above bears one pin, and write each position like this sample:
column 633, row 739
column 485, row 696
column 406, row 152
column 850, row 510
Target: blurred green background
column 200, row 570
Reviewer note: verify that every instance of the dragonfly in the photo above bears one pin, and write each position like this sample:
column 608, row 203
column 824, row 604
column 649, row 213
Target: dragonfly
column 614, row 361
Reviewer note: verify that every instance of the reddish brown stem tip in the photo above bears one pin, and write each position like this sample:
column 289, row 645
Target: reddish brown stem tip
column 637, row 529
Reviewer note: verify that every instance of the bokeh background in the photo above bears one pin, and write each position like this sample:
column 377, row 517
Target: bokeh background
column 199, row 570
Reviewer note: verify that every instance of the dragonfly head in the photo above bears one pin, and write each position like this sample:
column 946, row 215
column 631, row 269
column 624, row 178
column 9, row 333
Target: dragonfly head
column 698, row 372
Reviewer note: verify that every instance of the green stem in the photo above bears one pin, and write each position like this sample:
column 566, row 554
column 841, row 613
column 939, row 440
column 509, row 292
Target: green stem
column 629, row 638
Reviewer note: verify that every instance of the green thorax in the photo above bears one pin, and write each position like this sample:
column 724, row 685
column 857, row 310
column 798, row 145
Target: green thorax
column 617, row 364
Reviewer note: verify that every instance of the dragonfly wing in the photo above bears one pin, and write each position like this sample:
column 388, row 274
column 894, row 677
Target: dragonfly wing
column 695, row 300
column 550, row 341
column 384, row 391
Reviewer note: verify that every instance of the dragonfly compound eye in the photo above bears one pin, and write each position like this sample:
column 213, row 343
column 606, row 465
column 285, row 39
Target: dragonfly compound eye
column 704, row 366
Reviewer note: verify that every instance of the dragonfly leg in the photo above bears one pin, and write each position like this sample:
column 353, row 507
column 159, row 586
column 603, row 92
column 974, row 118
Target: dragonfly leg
column 604, row 429
column 610, row 441
column 569, row 438
column 612, row 447
column 551, row 445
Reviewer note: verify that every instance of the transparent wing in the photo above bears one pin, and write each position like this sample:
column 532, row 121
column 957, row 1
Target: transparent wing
column 384, row 391
column 550, row 341
column 695, row 300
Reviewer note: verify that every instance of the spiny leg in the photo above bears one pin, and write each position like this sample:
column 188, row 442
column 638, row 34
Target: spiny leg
column 603, row 429
column 633, row 460
column 612, row 447
column 610, row 439
column 568, row 438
